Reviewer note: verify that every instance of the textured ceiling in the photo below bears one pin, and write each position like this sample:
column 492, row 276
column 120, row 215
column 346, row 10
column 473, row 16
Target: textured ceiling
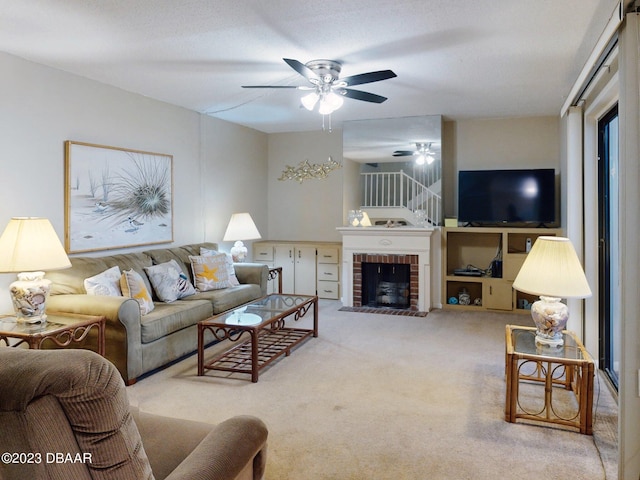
column 460, row 59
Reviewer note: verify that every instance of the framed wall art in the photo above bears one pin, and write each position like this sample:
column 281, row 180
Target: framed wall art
column 116, row 198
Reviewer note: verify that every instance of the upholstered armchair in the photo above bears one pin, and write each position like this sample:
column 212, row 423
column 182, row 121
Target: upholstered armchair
column 65, row 414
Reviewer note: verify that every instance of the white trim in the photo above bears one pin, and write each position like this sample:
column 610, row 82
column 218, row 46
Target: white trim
column 586, row 75
column 598, row 106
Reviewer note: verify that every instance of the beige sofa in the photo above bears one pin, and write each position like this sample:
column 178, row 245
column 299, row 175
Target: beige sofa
column 65, row 415
column 138, row 344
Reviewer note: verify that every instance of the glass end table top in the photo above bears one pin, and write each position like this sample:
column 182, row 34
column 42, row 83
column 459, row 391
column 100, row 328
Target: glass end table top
column 523, row 341
column 11, row 326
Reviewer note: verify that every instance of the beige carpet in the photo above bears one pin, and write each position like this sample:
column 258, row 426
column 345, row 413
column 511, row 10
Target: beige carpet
column 391, row 397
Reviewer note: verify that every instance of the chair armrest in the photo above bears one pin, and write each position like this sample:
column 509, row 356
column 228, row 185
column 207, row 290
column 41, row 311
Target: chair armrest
column 226, row 451
column 256, row 273
column 123, row 331
column 114, row 309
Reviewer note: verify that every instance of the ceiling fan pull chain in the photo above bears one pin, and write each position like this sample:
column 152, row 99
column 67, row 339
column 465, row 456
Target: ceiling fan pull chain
column 323, row 124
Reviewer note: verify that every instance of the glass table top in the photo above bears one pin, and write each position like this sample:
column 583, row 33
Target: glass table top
column 523, row 341
column 263, row 309
column 11, row 326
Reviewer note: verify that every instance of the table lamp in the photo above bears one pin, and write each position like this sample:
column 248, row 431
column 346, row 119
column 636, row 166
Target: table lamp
column 241, row 227
column 29, row 245
column 553, row 271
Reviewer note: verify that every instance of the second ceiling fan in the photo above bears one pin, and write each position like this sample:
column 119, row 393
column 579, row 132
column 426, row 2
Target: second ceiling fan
column 326, row 87
column 423, row 153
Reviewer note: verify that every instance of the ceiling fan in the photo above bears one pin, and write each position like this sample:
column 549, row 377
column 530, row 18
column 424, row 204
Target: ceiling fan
column 423, row 153
column 327, row 89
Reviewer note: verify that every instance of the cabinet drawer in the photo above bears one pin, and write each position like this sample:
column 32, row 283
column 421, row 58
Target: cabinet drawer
column 328, row 255
column 328, row 272
column 263, row 253
column 328, row 290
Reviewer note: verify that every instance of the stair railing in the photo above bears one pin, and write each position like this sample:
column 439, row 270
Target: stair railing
column 396, row 190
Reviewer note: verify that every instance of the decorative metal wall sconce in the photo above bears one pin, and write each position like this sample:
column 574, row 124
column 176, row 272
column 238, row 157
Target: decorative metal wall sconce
column 305, row 170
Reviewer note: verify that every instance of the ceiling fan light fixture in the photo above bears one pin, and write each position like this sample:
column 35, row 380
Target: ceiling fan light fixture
column 309, row 101
column 334, row 100
column 420, row 160
column 329, row 103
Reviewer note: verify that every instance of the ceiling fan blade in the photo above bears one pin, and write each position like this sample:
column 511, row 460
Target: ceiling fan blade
column 403, row 153
column 368, row 77
column 360, row 95
column 269, row 86
column 302, row 69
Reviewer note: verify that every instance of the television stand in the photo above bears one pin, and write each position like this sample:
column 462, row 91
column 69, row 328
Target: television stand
column 479, row 246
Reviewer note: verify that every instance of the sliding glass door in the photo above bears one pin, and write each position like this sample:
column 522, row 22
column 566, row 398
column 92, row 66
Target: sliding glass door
column 608, row 252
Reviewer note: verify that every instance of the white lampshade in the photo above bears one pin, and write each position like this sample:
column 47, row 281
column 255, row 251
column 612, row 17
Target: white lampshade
column 552, row 269
column 29, row 244
column 329, row 103
column 309, row 101
column 241, row 227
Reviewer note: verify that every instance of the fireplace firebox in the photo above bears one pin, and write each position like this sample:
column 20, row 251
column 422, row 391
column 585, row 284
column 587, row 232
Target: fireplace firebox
column 386, row 285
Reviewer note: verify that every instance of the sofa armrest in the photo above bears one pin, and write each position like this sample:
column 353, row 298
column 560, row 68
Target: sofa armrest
column 256, row 273
column 122, row 335
column 182, row 449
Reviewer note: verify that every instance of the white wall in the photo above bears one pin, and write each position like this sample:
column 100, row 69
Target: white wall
column 313, row 209
column 629, row 398
column 43, row 107
column 234, row 162
column 528, row 142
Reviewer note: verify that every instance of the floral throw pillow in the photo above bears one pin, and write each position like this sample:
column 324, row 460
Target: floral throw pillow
column 231, row 271
column 133, row 286
column 169, row 282
column 106, row 283
column 210, row 272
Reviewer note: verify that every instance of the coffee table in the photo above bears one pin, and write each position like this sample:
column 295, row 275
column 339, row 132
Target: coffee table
column 569, row 366
column 258, row 333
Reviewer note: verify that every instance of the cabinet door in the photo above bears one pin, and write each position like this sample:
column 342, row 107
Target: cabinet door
column 497, row 295
column 284, row 258
column 305, row 270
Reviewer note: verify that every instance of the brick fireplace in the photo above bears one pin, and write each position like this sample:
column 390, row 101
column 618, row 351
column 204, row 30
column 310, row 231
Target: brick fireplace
column 396, row 300
column 400, row 245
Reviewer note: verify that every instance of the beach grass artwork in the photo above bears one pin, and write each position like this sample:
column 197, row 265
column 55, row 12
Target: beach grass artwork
column 116, row 198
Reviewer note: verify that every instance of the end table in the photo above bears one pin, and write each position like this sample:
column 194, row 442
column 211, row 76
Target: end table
column 60, row 329
column 569, row 366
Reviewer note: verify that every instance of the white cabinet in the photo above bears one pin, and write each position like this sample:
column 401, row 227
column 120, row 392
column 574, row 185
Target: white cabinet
column 328, row 259
column 308, row 268
column 264, row 253
column 298, row 268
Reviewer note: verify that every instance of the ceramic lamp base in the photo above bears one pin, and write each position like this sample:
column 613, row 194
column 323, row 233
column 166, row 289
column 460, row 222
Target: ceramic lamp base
column 550, row 316
column 29, row 296
column 238, row 252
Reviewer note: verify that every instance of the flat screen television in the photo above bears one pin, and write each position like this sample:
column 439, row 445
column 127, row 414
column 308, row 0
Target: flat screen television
column 506, row 196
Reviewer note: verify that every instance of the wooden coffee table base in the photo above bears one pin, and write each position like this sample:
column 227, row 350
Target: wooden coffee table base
column 264, row 342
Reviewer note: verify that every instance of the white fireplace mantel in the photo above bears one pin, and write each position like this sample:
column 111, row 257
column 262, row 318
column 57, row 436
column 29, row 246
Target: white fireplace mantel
column 383, row 240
